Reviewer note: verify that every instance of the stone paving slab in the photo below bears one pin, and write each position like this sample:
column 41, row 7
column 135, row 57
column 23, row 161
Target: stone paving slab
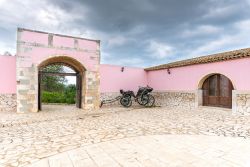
column 156, row 151
column 53, row 133
column 49, row 113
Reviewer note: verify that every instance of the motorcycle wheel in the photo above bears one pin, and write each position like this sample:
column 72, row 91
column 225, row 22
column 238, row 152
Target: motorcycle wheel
column 126, row 101
column 151, row 101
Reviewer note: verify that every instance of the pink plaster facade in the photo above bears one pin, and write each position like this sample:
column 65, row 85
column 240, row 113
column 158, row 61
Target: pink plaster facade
column 113, row 79
column 188, row 78
column 185, row 78
column 7, row 74
column 61, row 47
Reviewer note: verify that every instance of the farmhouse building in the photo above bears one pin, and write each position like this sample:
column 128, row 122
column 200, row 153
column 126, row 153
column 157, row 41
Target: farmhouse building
column 219, row 80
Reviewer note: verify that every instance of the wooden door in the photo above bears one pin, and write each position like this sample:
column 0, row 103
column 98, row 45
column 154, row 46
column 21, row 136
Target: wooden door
column 217, row 91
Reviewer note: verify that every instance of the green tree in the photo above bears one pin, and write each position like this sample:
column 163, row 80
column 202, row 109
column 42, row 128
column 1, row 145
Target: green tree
column 55, row 89
column 70, row 94
column 53, row 83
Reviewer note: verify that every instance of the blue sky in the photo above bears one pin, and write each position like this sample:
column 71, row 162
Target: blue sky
column 138, row 33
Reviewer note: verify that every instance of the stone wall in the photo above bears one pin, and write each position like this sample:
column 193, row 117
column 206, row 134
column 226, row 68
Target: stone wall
column 7, row 102
column 242, row 104
column 171, row 99
column 27, row 85
column 185, row 100
column 108, row 96
column 113, row 95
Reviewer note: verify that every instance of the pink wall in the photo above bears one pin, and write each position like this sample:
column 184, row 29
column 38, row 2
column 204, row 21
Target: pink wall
column 112, row 79
column 188, row 77
column 62, row 41
column 7, row 74
column 32, row 37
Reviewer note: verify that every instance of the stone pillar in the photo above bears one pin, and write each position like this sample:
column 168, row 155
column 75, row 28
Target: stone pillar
column 199, row 98
column 241, row 102
column 26, row 89
column 92, row 95
column 26, row 75
column 234, row 102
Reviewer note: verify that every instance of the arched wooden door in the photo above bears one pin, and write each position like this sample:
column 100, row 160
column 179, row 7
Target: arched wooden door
column 217, row 91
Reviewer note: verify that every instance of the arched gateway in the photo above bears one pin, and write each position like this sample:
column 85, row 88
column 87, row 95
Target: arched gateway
column 79, row 72
column 37, row 49
column 217, row 91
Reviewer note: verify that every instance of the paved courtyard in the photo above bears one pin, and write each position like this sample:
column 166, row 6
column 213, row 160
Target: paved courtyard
column 156, row 151
column 67, row 132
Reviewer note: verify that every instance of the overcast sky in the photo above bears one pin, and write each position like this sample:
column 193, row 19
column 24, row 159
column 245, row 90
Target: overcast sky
column 135, row 32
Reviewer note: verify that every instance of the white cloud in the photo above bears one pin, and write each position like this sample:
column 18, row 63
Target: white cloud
column 87, row 34
column 4, row 47
column 138, row 29
column 220, row 12
column 51, row 16
column 123, row 61
column 117, row 41
column 46, row 16
column 37, row 15
column 201, row 30
column 159, row 50
column 213, row 46
column 2, row 2
column 105, row 57
column 41, row 15
column 132, row 61
column 243, row 25
column 225, row 42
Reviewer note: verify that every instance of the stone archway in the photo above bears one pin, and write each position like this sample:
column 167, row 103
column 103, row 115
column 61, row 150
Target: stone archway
column 215, row 90
column 36, row 48
column 73, row 64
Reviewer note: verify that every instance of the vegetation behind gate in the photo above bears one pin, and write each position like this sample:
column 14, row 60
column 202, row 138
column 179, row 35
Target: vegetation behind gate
column 66, row 96
column 55, row 88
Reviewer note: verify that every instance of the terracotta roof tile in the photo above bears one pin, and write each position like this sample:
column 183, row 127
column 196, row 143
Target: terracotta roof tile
column 236, row 54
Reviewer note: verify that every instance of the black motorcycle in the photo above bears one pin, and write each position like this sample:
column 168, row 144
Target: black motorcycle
column 142, row 97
